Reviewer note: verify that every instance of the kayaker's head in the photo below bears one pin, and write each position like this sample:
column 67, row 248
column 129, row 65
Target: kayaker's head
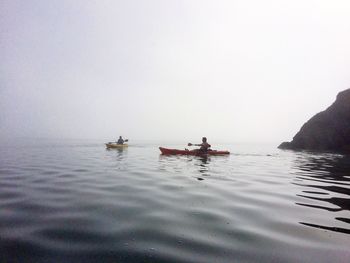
column 120, row 137
column 204, row 139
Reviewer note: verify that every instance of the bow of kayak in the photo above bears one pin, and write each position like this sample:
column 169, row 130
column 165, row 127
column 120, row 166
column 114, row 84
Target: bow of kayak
column 167, row 151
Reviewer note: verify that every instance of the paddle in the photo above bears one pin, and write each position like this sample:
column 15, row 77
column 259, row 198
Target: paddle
column 191, row 144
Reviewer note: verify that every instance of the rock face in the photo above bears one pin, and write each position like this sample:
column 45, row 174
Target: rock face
column 328, row 130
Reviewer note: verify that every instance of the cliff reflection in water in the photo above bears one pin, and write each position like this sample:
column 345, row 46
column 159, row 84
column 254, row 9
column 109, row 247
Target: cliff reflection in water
column 325, row 180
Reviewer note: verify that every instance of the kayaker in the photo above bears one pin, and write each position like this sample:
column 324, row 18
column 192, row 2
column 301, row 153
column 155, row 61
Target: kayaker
column 204, row 146
column 120, row 140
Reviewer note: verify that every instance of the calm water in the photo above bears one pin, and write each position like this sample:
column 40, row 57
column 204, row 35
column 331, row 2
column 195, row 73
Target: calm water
column 75, row 201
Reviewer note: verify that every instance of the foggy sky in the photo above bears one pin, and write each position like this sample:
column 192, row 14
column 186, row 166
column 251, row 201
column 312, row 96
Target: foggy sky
column 234, row 71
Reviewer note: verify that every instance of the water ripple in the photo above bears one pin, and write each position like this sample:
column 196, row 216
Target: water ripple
column 77, row 202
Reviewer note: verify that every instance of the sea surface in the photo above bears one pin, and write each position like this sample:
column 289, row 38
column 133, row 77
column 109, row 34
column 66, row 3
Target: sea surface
column 75, row 201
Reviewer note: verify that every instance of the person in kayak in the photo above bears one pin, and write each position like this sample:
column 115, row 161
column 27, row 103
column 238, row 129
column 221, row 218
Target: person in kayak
column 204, row 146
column 120, row 140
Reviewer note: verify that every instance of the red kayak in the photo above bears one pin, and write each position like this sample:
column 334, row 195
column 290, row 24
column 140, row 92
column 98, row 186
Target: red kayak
column 167, row 151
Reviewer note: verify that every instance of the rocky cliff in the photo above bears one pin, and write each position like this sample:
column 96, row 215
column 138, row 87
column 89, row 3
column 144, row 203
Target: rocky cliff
column 328, row 130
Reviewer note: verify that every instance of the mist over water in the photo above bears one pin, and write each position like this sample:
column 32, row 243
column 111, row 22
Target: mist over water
column 242, row 71
column 164, row 72
column 75, row 201
column 233, row 71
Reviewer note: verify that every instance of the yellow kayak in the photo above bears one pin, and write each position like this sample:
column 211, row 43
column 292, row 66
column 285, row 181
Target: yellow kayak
column 116, row 146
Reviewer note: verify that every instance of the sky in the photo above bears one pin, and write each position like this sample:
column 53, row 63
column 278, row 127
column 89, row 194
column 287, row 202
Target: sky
column 234, row 71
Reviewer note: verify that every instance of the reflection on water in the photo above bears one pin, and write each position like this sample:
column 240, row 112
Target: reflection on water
column 78, row 202
column 118, row 152
column 325, row 179
column 202, row 163
column 200, row 166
